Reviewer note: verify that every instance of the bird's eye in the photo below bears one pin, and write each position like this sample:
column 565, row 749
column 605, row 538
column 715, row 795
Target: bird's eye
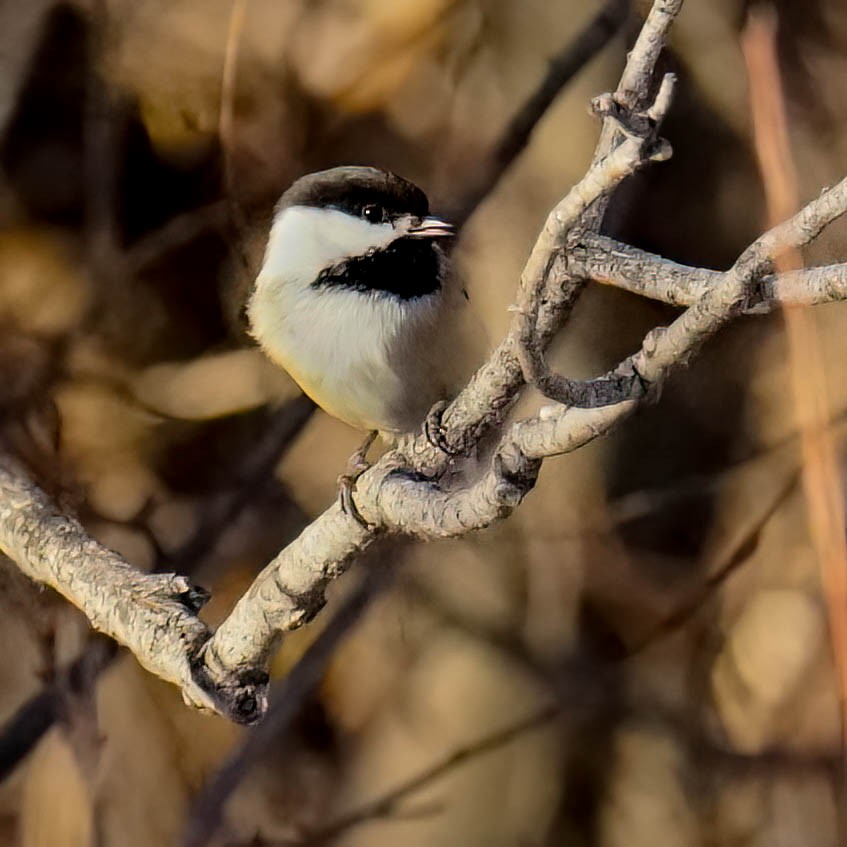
column 373, row 213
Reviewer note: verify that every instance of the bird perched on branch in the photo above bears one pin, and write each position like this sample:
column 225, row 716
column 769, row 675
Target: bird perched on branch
column 356, row 301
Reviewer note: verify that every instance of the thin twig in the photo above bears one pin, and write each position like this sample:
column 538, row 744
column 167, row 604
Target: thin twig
column 28, row 725
column 387, row 804
column 226, row 124
column 178, row 231
column 100, row 154
column 249, row 477
column 734, row 558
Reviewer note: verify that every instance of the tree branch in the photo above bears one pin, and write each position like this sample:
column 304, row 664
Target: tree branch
column 560, row 429
column 155, row 615
column 410, row 490
column 604, row 260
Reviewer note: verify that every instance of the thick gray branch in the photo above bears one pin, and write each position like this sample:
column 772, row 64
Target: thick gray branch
column 602, row 259
column 291, row 589
column 407, row 491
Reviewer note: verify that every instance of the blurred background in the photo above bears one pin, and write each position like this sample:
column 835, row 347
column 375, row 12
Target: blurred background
column 641, row 655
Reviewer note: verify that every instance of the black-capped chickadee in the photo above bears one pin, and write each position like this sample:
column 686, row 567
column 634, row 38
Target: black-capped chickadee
column 355, row 299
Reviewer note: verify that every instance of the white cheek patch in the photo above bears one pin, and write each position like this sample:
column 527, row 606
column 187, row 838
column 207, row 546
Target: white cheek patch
column 305, row 240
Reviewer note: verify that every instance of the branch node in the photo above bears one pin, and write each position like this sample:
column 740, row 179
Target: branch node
column 194, row 597
column 663, row 99
column 240, row 695
column 640, row 385
column 661, row 151
column 641, row 126
column 516, row 475
column 605, row 105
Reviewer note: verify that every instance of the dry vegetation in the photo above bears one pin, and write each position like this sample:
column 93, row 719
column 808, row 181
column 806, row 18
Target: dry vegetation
column 648, row 652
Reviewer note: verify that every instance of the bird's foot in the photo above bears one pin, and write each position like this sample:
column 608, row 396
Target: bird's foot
column 434, row 431
column 357, row 464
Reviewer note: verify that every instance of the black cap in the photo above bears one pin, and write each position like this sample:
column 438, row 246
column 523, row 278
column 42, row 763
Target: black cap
column 350, row 188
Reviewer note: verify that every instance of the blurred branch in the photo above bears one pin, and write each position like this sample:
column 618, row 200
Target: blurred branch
column 387, row 805
column 562, row 68
column 177, row 232
column 101, row 132
column 31, row 721
column 226, row 123
column 249, row 477
column 700, row 745
column 577, row 683
column 821, row 470
column 739, row 553
column 26, row 727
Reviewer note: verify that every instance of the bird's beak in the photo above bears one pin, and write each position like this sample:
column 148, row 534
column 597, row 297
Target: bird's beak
column 432, row 227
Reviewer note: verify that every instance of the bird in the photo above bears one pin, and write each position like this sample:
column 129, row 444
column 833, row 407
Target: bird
column 357, row 301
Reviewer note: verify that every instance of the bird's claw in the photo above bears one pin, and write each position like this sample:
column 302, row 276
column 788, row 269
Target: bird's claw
column 434, row 431
column 346, row 486
column 357, row 464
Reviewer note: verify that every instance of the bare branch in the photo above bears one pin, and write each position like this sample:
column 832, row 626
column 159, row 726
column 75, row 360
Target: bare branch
column 388, row 803
column 152, row 614
column 640, row 145
column 604, row 260
column 637, row 76
column 494, row 387
column 562, row 429
column 25, row 728
column 226, row 120
column 178, row 231
column 290, row 590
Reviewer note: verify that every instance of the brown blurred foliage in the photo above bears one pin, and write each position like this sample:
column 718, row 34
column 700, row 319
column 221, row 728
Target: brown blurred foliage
column 660, row 586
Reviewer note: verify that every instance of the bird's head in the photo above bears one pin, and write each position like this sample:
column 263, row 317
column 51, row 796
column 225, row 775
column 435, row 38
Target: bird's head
column 357, row 228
